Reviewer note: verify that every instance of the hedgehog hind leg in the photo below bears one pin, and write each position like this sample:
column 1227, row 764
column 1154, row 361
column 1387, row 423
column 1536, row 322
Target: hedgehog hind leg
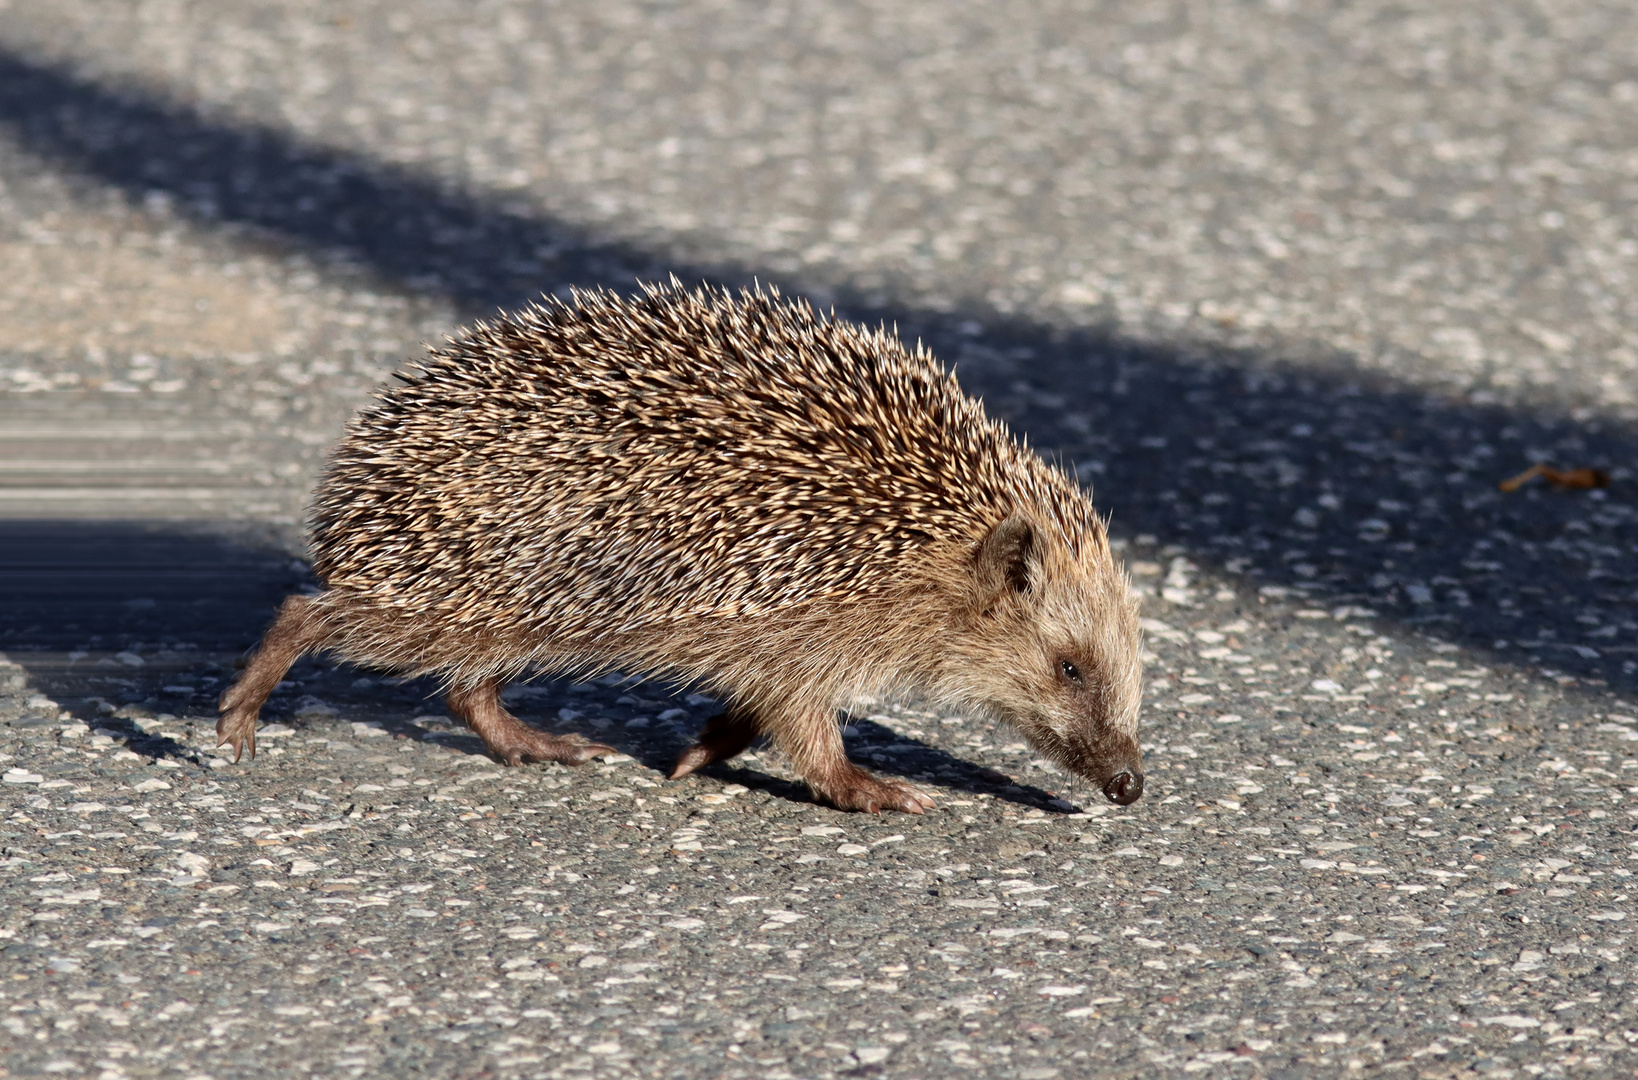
column 726, row 735
column 509, row 739
column 299, row 628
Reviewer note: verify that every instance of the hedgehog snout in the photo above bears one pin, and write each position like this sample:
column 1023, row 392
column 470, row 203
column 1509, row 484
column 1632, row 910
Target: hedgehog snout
column 1124, row 788
column 1114, row 763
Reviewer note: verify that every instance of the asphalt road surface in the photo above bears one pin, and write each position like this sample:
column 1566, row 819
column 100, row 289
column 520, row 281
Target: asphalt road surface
column 1292, row 285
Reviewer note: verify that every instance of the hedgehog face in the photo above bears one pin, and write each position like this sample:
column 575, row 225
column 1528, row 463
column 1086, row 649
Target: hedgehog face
column 1050, row 643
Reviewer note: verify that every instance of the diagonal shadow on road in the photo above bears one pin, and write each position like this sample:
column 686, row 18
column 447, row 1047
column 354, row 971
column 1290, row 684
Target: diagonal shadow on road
column 1303, row 476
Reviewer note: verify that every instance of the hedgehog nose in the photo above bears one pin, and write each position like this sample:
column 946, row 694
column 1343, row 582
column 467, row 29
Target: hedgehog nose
column 1124, row 787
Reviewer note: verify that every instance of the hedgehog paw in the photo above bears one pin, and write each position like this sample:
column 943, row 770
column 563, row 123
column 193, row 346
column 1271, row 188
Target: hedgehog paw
column 236, row 727
column 858, row 790
column 568, row 749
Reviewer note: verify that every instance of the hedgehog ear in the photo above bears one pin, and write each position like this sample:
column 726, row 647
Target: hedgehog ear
column 1001, row 566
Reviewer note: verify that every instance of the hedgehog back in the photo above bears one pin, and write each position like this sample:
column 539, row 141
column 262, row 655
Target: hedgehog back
column 594, row 466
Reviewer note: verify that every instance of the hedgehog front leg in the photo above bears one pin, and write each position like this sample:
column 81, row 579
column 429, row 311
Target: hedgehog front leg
column 813, row 740
column 508, row 738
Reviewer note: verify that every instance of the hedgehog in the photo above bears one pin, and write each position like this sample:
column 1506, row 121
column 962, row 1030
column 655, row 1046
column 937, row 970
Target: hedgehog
column 728, row 491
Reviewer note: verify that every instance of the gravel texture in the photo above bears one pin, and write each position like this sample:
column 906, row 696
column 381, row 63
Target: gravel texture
column 1292, row 286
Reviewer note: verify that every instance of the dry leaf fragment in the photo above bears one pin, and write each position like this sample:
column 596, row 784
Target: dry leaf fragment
column 1562, row 479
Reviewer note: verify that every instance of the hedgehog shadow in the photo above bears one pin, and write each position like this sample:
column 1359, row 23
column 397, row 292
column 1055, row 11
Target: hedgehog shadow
column 889, row 753
column 876, row 747
column 657, row 748
column 158, row 746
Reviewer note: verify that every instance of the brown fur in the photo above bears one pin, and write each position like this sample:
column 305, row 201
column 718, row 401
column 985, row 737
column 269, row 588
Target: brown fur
column 730, row 491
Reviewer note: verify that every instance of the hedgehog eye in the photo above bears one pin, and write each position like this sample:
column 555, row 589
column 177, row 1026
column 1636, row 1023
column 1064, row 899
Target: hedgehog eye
column 1071, row 672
